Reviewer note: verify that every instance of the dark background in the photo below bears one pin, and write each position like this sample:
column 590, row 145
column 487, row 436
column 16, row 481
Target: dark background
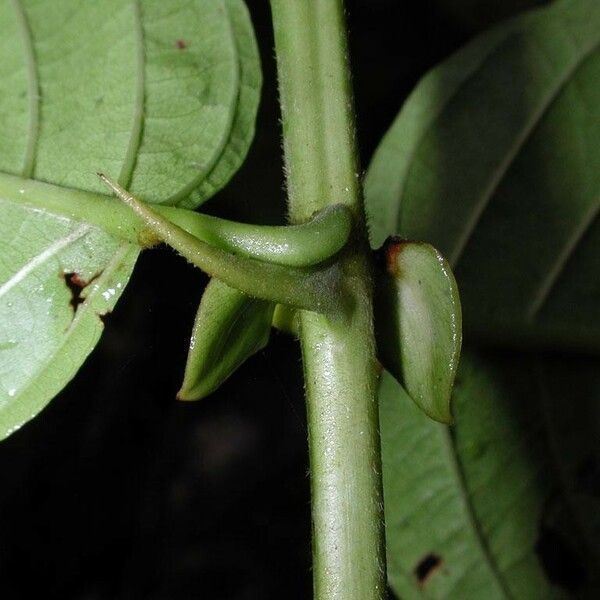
column 118, row 491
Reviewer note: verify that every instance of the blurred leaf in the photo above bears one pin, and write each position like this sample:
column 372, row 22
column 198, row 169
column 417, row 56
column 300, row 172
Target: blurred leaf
column 418, row 323
column 495, row 160
column 506, row 503
column 476, row 14
column 229, row 328
column 162, row 94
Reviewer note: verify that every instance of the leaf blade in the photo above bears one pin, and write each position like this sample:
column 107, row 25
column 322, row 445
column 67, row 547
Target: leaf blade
column 229, row 328
column 481, row 495
column 418, row 324
column 60, row 128
column 494, row 160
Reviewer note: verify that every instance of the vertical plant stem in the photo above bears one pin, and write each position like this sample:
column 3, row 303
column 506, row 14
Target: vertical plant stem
column 338, row 354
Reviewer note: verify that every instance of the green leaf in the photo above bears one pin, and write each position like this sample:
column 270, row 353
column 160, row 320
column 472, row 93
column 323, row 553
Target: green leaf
column 418, row 323
column 479, row 510
column 495, row 160
column 476, row 14
column 162, row 95
column 229, row 328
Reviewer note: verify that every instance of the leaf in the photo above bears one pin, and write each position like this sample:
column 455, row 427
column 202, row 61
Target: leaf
column 164, row 95
column 495, row 160
column 474, row 14
column 505, row 504
column 418, row 324
column 229, row 328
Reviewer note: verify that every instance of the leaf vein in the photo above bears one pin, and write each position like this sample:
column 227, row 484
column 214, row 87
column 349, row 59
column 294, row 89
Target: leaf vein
column 33, row 90
column 43, row 256
column 549, row 281
column 228, row 130
column 469, row 511
column 135, row 139
column 513, row 151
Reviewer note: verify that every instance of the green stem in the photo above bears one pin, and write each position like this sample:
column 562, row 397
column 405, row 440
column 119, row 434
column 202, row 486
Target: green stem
column 339, row 357
column 309, row 243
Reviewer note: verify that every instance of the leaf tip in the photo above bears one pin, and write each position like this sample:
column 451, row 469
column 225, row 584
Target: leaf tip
column 446, row 419
column 439, row 414
column 187, row 395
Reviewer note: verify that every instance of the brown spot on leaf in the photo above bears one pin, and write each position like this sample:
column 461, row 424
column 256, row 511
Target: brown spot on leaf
column 77, row 280
column 75, row 283
column 181, row 44
column 427, row 566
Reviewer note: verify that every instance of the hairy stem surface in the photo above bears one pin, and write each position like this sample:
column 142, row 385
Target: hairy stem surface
column 338, row 353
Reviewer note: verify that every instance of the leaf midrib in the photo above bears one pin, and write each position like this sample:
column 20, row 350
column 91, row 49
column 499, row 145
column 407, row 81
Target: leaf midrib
column 454, row 463
column 555, row 271
column 513, row 152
